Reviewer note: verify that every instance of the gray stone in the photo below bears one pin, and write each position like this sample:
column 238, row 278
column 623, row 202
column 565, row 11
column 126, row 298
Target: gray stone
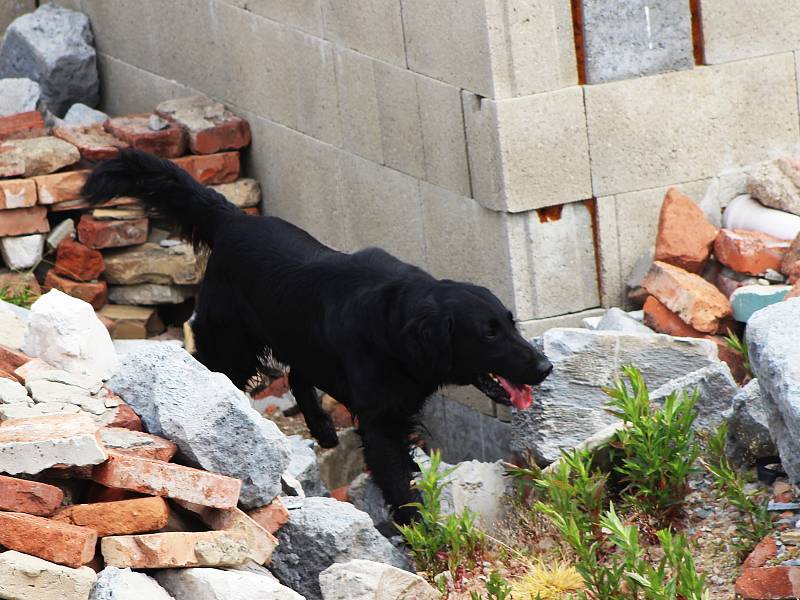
column 12, row 392
column 569, row 406
column 749, row 437
column 715, row 386
column 23, row 252
column 631, row 38
column 218, row 584
column 123, row 584
column 12, row 327
column 340, row 465
column 324, row 531
column 479, row 487
column 60, row 232
column 304, row 465
column 366, row 496
column 18, row 94
column 368, row 580
column 775, row 184
column 80, row 114
column 772, row 335
column 210, row 420
column 617, row 319
column 53, row 46
column 149, row 294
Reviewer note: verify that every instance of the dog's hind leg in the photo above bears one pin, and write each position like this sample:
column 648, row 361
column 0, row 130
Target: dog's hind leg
column 319, row 422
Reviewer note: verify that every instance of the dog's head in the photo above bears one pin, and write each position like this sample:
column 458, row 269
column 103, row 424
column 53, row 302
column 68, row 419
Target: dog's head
column 465, row 335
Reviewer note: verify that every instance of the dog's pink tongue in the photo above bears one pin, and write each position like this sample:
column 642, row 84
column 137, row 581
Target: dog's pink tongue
column 521, row 395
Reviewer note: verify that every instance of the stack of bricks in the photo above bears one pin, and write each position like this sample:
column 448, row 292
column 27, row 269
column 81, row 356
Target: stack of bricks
column 75, row 498
column 112, row 255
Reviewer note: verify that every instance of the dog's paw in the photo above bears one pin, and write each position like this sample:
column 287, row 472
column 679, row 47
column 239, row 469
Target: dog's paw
column 326, row 436
column 404, row 515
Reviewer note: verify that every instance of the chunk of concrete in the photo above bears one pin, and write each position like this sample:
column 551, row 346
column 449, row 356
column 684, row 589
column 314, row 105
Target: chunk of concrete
column 323, row 531
column 304, row 465
column 569, row 406
column 65, row 332
column 12, row 392
column 617, row 319
column 749, row 437
column 18, row 94
column 368, row 580
column 210, row 420
column 53, row 46
column 22, row 252
column 81, row 115
column 25, row 577
column 123, row 584
column 60, row 232
column 216, row 584
column 12, row 328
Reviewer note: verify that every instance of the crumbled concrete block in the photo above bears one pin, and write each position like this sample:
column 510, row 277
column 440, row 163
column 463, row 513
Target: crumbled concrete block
column 25, row 577
column 32, row 445
column 60, row 543
column 137, row 443
column 368, row 580
column 30, row 497
column 124, row 517
column 18, row 95
column 749, row 299
column 65, row 332
column 18, row 193
column 36, row 156
column 175, row 549
column 217, row 584
column 123, row 584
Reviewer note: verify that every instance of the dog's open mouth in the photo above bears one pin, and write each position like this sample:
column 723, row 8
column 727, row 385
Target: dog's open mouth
column 504, row 391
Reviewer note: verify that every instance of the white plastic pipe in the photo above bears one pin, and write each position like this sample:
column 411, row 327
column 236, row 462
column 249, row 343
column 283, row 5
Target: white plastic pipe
column 746, row 213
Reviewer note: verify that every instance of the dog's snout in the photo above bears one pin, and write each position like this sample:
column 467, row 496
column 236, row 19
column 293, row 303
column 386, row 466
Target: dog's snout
column 545, row 369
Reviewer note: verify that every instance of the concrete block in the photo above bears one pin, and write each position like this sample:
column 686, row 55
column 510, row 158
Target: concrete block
column 358, row 105
column 648, row 132
column 382, row 208
column 632, row 38
column 495, row 48
column 536, row 327
column 303, row 14
column 626, row 228
column 530, row 152
column 372, row 27
column 12, row 9
column 740, row 29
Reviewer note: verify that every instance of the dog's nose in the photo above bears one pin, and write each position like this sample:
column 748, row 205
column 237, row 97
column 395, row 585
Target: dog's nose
column 545, row 370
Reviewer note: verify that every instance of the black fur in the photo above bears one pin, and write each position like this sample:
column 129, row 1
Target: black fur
column 377, row 334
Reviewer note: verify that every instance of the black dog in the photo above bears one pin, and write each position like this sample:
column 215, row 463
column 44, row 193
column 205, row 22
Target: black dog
column 377, row 334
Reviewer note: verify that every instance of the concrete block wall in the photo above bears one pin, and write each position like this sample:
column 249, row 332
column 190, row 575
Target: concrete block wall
column 521, row 144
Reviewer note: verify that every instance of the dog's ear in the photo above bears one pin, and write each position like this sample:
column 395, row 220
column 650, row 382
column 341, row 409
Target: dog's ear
column 428, row 335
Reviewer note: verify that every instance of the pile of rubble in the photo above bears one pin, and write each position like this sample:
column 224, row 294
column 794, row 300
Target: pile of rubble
column 128, row 467
column 110, row 253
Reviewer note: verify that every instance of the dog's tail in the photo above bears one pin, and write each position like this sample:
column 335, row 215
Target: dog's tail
column 164, row 188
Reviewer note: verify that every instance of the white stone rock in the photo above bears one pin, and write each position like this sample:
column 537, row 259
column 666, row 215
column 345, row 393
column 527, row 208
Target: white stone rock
column 20, row 411
column 22, row 252
column 12, row 392
column 60, row 232
column 368, row 580
column 304, row 466
column 149, row 294
column 216, row 584
column 91, row 384
column 617, row 319
column 34, row 444
column 24, row 577
column 66, row 333
column 12, row 329
column 123, row 584
column 18, row 94
column 80, row 114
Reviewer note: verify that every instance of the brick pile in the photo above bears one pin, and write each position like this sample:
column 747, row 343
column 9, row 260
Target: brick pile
column 705, row 282
column 114, row 256
column 76, row 497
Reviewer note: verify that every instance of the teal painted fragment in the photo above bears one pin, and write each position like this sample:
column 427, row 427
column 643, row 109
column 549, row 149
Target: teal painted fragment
column 752, row 298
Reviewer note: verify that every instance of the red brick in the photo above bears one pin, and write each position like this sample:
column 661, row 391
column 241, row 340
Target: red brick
column 127, row 419
column 111, row 234
column 790, row 265
column 252, row 211
column 767, row 583
column 765, row 550
column 139, row 515
column 209, row 125
column 750, row 252
column 81, row 204
column 731, row 357
column 60, row 187
column 17, row 193
column 684, row 234
column 661, row 319
column 95, row 293
column 100, row 493
column 167, row 479
column 697, row 302
column 271, row 517
column 6, row 375
column 57, row 542
column 31, row 497
column 11, row 360
column 22, row 125
column 211, row 169
column 340, row 493
column 23, row 221
column 134, row 130
column 36, row 156
column 78, row 262
column 92, row 141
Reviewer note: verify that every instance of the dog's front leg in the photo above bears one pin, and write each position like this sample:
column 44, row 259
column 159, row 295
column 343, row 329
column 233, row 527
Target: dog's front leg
column 319, row 422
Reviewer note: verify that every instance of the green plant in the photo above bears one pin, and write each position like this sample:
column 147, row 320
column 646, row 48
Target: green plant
column 440, row 542
column 497, row 588
column 24, row 297
column 730, row 485
column 737, row 344
column 655, row 451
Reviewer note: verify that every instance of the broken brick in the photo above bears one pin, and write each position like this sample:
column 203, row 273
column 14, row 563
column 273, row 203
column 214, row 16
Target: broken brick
column 750, row 252
column 60, row 187
column 684, row 234
column 137, row 443
column 790, row 265
column 765, row 583
column 50, row 540
column 17, row 193
column 11, row 360
column 126, row 418
column 210, row 126
column 794, row 292
column 697, row 302
column 36, row 156
column 20, row 283
column 111, row 234
column 23, row 221
column 166, row 479
column 123, row 517
column 77, row 261
column 765, row 550
column 95, row 293
column 271, row 517
column 22, row 126
column 134, row 130
column 176, row 549
column 92, row 141
column 30, row 497
column 211, row 169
